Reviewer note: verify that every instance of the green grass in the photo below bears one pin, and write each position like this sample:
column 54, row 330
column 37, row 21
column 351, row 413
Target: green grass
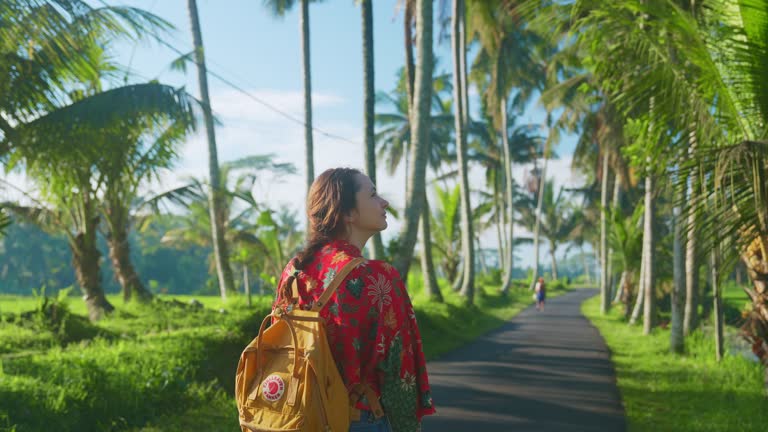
column 166, row 366
column 16, row 304
column 735, row 301
column 666, row 392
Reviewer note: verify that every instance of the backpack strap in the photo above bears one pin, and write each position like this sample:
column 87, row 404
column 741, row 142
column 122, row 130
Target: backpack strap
column 295, row 290
column 318, row 306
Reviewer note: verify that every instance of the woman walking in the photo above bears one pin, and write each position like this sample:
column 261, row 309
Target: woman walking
column 370, row 321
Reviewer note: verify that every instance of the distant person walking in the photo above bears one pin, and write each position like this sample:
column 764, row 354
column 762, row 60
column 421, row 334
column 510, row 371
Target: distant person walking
column 541, row 294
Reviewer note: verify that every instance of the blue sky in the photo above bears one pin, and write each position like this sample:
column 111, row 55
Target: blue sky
column 261, row 54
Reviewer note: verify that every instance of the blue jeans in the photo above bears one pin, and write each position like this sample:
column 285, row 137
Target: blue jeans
column 369, row 423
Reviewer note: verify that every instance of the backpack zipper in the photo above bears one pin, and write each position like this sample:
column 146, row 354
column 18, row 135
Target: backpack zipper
column 327, row 427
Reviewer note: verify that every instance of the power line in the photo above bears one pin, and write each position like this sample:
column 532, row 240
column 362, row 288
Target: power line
column 252, row 96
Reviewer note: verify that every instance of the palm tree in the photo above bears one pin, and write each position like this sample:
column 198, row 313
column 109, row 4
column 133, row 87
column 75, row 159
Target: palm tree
column 541, row 185
column 648, row 250
column 507, row 60
column 224, row 272
column 279, row 8
column 394, row 127
column 139, row 156
column 447, row 236
column 420, row 126
column 586, row 111
column 484, row 138
column 458, row 42
column 249, row 225
column 63, row 68
column 59, row 40
column 726, row 102
column 677, row 334
column 71, row 183
column 408, row 84
column 625, row 238
column 393, row 138
column 559, row 218
column 366, row 10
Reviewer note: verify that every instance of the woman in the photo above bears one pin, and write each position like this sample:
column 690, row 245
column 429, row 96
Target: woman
column 370, row 321
column 541, row 294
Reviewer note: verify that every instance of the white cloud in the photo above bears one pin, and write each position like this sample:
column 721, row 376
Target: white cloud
column 234, row 105
column 249, row 128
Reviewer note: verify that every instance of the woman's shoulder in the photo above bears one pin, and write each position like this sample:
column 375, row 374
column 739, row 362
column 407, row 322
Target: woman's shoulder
column 381, row 266
column 374, row 269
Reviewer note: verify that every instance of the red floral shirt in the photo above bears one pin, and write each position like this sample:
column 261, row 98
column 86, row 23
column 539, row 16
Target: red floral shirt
column 372, row 331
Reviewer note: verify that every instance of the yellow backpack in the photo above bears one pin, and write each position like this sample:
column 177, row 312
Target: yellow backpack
column 287, row 379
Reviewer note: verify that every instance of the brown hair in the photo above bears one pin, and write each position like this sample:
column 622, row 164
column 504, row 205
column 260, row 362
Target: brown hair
column 331, row 197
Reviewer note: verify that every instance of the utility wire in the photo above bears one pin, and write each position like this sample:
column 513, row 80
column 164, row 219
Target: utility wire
column 249, row 94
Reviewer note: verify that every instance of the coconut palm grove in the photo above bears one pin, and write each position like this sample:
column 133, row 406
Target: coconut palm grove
column 156, row 157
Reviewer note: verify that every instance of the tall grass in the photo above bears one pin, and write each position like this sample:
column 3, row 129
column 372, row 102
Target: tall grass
column 692, row 392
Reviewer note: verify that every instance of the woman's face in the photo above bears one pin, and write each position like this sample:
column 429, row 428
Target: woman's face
column 370, row 215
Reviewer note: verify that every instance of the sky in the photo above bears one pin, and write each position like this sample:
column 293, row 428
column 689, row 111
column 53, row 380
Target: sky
column 262, row 55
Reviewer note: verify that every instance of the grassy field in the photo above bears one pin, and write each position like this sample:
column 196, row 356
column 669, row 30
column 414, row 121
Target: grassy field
column 166, row 366
column 17, row 304
column 693, row 392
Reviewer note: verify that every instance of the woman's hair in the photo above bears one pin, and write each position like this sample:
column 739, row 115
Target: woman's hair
column 331, row 197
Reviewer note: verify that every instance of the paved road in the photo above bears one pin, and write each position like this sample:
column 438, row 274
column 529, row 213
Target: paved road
column 542, row 371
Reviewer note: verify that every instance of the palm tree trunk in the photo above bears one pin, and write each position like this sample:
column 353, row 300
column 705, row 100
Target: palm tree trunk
column 85, row 260
column 409, row 64
column 604, row 295
column 463, row 64
column 554, row 261
column 615, row 204
column 410, row 77
column 620, row 287
column 676, row 336
column 458, row 277
column 499, row 222
column 420, row 126
column 307, row 69
column 717, row 303
column 509, row 258
column 537, row 225
column 640, row 293
column 224, row 272
column 691, row 318
column 117, row 216
column 648, row 248
column 431, row 288
column 366, row 10
column 120, row 255
column 467, row 234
